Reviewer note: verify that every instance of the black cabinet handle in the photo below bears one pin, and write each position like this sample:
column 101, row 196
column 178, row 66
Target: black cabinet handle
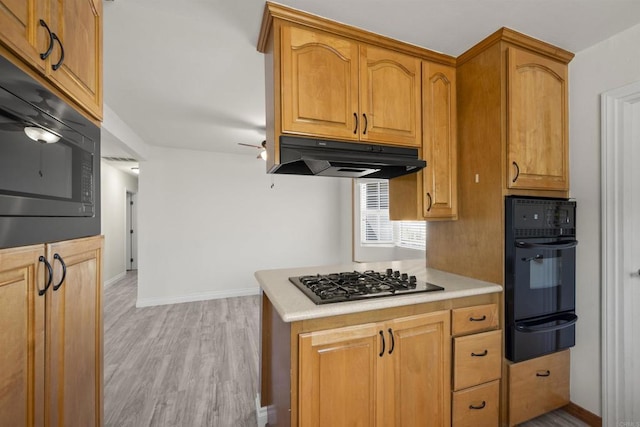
column 64, row 271
column 484, row 403
column 546, row 374
column 477, row 319
column 59, row 63
column 46, row 54
column 382, row 351
column 50, row 279
column 430, row 201
column 355, row 117
column 366, row 123
column 480, row 354
column 517, row 171
column 393, row 341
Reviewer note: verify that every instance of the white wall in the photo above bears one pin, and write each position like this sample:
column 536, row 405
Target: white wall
column 207, row 221
column 114, row 187
column 607, row 65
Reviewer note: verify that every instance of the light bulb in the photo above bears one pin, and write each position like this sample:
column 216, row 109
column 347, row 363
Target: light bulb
column 41, row 135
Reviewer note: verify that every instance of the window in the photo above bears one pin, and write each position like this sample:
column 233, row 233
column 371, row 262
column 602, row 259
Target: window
column 375, row 226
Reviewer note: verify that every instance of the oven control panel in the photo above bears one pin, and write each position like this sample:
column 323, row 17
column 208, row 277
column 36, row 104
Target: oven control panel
column 552, row 216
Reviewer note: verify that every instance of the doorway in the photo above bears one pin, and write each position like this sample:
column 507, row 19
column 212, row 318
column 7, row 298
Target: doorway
column 132, row 232
column 621, row 255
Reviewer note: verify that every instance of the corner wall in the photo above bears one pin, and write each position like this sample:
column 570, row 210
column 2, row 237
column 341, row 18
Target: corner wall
column 207, row 221
column 114, row 187
column 610, row 64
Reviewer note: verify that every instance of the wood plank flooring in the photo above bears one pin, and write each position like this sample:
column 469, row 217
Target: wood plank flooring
column 192, row 364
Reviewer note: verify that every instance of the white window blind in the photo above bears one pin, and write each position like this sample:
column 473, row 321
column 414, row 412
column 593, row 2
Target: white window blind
column 375, row 227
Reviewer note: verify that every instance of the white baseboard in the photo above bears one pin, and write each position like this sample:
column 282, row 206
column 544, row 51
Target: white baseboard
column 200, row 296
column 113, row 280
column 261, row 413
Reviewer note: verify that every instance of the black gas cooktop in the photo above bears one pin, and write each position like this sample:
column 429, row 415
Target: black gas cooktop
column 355, row 285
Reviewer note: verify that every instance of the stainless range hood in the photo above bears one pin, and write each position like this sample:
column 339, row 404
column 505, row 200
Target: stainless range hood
column 308, row 156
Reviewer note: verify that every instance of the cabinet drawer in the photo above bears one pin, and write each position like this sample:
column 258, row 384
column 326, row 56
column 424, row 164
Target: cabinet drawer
column 477, row 406
column 538, row 386
column 476, row 359
column 474, row 319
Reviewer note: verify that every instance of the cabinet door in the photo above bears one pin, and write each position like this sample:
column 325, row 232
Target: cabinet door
column 20, row 29
column 439, row 141
column 319, row 84
column 389, row 97
column 21, row 337
column 537, row 122
column 339, row 372
column 74, row 331
column 78, row 25
column 417, row 371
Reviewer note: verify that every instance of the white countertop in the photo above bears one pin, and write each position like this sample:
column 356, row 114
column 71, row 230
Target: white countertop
column 292, row 305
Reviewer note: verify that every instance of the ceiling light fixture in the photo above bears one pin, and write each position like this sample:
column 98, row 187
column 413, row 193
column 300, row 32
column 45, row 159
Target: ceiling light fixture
column 135, row 170
column 41, row 135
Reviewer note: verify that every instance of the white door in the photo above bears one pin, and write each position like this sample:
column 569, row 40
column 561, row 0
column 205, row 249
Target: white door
column 621, row 255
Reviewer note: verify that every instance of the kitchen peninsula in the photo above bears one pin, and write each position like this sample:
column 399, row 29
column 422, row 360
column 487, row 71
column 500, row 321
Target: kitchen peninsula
column 387, row 359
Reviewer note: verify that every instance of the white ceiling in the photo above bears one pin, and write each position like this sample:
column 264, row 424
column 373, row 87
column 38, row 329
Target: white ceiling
column 186, row 73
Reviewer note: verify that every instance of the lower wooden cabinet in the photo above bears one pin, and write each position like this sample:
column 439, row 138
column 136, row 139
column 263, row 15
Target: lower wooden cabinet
column 538, row 386
column 51, row 334
column 386, row 373
column 477, row 406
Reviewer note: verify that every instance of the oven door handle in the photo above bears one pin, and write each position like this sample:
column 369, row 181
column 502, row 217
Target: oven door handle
column 564, row 244
column 533, row 326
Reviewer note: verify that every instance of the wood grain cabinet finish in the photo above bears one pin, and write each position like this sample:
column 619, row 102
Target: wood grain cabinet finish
column 538, row 386
column 432, row 193
column 476, row 359
column 333, row 87
column 52, row 340
column 22, row 337
column 387, row 373
column 21, row 32
column 537, row 145
column 477, row 406
column 469, row 320
column 62, row 41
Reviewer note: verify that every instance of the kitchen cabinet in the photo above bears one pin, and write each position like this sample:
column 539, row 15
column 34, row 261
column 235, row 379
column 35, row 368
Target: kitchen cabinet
column 328, row 80
column 62, row 41
column 538, row 386
column 432, row 193
column 334, row 87
column 477, row 365
column 537, row 140
column 389, row 373
column 51, row 324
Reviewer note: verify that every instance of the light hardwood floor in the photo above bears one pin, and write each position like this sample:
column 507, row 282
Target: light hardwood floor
column 192, row 364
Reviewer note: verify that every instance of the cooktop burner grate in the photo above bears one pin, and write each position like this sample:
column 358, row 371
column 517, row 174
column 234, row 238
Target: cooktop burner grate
column 354, row 285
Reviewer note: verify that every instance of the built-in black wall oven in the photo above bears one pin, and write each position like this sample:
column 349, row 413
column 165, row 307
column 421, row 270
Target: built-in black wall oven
column 540, row 285
column 49, row 164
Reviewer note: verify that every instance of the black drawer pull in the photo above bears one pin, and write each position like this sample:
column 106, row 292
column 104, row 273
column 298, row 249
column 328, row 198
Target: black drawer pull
column 480, row 354
column 478, row 319
column 484, row 403
column 382, row 351
column 546, row 374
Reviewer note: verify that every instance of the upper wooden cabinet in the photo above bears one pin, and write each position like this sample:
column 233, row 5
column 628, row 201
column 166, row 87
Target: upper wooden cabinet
column 333, row 87
column 62, row 41
column 432, row 193
column 537, row 141
column 332, row 81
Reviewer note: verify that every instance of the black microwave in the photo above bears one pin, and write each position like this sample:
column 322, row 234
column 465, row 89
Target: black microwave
column 49, row 164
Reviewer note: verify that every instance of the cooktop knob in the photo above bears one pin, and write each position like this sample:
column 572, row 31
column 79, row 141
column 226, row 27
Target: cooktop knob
column 389, row 271
column 412, row 279
column 404, row 276
column 396, row 273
